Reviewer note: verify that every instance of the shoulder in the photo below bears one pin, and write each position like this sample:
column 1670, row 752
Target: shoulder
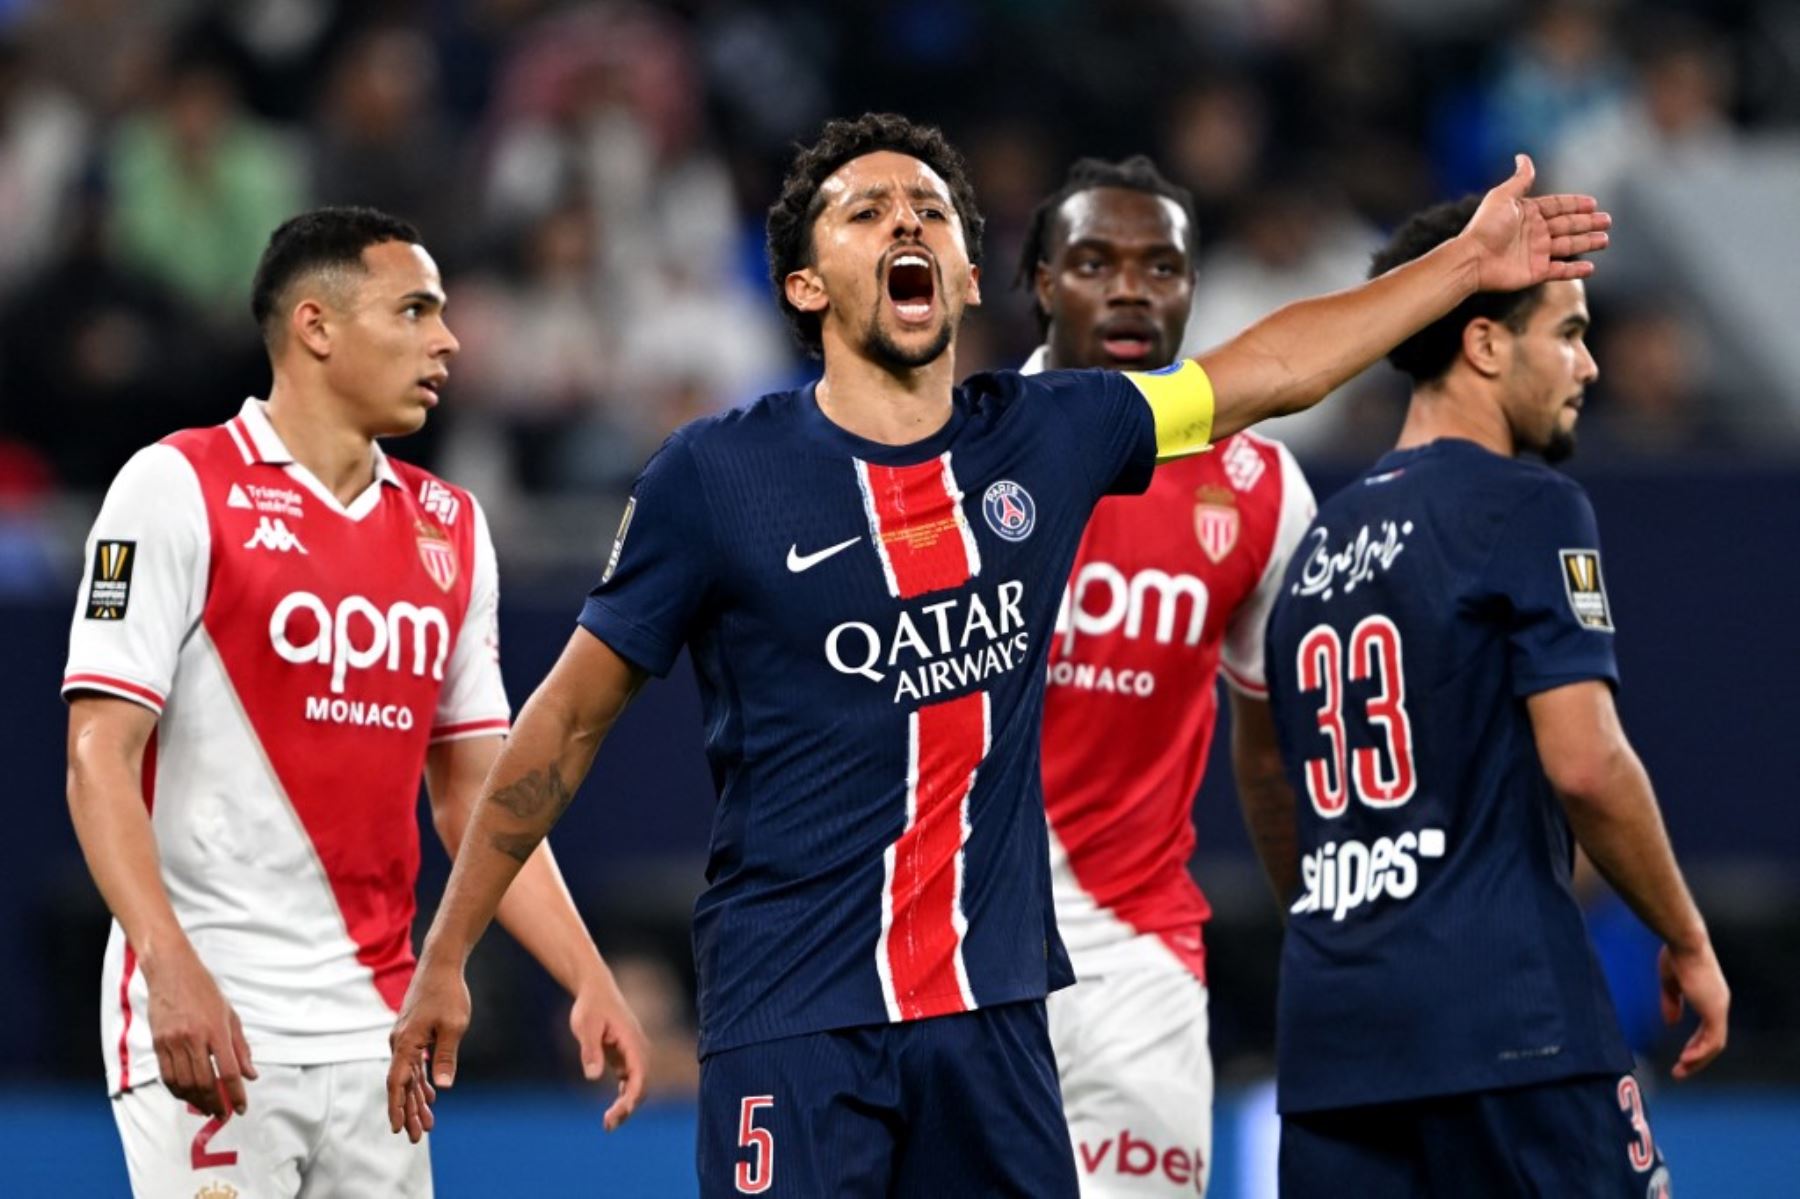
column 1001, row 389
column 164, row 471
column 767, row 416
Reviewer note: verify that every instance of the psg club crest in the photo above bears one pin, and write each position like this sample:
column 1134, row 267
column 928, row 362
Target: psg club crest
column 438, row 555
column 1010, row 510
column 1216, row 522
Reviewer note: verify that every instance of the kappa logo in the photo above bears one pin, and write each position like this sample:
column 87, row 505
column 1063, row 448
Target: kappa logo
column 439, row 501
column 110, row 588
column 272, row 533
column 1010, row 510
column 1586, row 589
column 1244, row 467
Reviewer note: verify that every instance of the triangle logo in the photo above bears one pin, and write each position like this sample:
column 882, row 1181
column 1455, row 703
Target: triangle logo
column 237, row 498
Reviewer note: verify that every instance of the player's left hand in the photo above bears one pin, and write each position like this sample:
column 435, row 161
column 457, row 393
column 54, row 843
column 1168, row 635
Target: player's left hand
column 610, row 1036
column 1521, row 240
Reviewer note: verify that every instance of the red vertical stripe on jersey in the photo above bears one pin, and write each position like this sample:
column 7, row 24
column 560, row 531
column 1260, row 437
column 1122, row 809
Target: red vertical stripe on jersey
column 922, row 940
column 916, row 518
column 149, row 788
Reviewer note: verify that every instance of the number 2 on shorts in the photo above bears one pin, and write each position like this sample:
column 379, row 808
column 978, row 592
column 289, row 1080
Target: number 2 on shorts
column 758, row 1174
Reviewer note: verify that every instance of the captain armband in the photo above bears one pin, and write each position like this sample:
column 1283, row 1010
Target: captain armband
column 1181, row 400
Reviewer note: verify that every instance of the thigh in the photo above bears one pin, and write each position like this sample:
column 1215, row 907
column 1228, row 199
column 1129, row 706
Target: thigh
column 808, row 1117
column 983, row 1108
column 173, row 1151
column 1371, row 1151
column 1137, row 1083
column 1587, row 1136
column 358, row 1155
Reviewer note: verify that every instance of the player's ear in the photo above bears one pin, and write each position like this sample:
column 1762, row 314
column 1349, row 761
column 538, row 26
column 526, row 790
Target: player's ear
column 805, row 290
column 1485, row 345
column 310, row 325
column 1040, row 286
column 973, row 297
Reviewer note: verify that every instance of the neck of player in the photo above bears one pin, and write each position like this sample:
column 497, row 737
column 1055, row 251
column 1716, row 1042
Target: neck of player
column 1440, row 410
column 882, row 403
column 339, row 456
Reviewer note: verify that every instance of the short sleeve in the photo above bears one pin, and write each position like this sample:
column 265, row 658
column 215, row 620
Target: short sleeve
column 659, row 573
column 144, row 586
column 1546, row 568
column 473, row 701
column 1113, row 429
column 1241, row 656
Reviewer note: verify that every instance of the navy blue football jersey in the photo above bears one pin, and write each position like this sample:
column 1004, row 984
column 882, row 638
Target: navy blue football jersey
column 1435, row 946
column 869, row 625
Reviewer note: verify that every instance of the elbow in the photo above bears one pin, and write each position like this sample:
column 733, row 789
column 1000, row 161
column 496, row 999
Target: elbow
column 1587, row 776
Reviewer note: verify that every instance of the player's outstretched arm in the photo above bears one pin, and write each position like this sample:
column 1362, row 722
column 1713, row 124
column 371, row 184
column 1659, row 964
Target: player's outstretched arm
column 1607, row 795
column 544, row 760
column 1264, row 795
column 1299, row 354
column 539, row 912
column 201, row 1053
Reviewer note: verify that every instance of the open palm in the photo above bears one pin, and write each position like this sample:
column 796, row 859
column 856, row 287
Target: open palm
column 1525, row 240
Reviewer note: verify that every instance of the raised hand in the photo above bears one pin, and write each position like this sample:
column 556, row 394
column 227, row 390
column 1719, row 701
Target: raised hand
column 1693, row 979
column 200, row 1048
column 1523, row 240
column 609, row 1035
column 425, row 1041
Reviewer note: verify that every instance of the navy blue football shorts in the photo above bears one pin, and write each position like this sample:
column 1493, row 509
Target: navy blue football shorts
column 966, row 1104
column 1587, row 1136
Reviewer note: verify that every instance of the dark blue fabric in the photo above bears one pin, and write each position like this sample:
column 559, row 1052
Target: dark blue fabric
column 810, row 758
column 1571, row 1137
column 956, row 1105
column 1468, row 966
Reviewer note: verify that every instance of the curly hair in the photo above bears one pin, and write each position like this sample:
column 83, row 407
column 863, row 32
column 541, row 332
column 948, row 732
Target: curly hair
column 1137, row 173
column 320, row 240
column 1428, row 354
column 796, row 210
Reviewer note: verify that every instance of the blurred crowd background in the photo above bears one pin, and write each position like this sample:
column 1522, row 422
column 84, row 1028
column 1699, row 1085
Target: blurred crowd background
column 593, row 176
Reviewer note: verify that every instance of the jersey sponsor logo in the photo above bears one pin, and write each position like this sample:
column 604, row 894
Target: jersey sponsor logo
column 276, row 501
column 1324, row 570
column 272, row 533
column 1586, row 589
column 1244, row 467
column 325, row 709
column 359, row 636
column 439, row 501
column 1085, row 676
column 109, row 583
column 1129, row 1156
column 1100, row 599
column 612, row 559
column 236, row 498
column 936, row 648
column 1341, row 876
column 1216, row 521
column 1010, row 510
column 798, row 562
column 438, row 555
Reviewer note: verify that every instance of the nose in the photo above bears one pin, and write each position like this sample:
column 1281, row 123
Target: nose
column 1127, row 286
column 1586, row 369
column 907, row 222
column 448, row 346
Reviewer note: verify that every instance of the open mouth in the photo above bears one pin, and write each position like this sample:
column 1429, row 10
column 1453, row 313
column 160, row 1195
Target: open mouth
column 433, row 385
column 1127, row 342
column 911, row 285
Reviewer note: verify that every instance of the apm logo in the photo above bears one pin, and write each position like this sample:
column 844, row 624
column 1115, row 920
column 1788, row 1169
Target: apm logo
column 272, row 533
column 109, row 590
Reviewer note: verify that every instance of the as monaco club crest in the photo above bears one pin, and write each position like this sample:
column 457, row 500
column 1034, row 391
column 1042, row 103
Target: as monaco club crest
column 1216, row 522
column 438, row 555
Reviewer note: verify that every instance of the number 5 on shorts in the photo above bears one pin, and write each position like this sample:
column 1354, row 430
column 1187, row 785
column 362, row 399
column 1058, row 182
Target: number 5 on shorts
column 757, row 1175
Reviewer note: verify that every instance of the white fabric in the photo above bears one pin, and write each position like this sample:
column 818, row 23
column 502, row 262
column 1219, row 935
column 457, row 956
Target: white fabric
column 1137, row 1080
column 1242, row 652
column 474, row 692
column 310, row 1132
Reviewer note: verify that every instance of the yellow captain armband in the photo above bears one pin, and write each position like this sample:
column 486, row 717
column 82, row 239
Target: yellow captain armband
column 1181, row 399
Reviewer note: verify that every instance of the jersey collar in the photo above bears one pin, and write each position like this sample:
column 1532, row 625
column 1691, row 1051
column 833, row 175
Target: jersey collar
column 262, row 444
column 1035, row 364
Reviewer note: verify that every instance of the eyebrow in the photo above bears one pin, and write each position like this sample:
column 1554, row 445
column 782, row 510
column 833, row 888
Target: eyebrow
column 436, row 298
column 1109, row 245
column 881, row 191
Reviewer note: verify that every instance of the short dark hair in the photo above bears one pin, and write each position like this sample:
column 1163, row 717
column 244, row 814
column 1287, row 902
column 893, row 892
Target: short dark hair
column 1428, row 354
column 791, row 217
column 1137, row 173
column 322, row 239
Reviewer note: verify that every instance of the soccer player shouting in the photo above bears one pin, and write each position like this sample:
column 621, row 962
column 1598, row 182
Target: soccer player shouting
column 1441, row 670
column 281, row 630
column 1167, row 587
column 866, row 572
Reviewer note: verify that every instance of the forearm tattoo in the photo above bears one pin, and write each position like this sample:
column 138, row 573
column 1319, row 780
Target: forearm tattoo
column 538, row 796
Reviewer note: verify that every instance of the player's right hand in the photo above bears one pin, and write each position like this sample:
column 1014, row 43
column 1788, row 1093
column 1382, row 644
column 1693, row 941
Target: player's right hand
column 433, row 1019
column 200, row 1047
column 1694, row 976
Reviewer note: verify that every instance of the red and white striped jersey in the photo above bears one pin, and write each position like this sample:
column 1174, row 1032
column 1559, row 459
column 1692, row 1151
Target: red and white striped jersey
column 301, row 655
column 1167, row 587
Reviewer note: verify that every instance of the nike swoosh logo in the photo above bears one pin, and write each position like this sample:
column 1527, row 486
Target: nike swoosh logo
column 798, row 562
